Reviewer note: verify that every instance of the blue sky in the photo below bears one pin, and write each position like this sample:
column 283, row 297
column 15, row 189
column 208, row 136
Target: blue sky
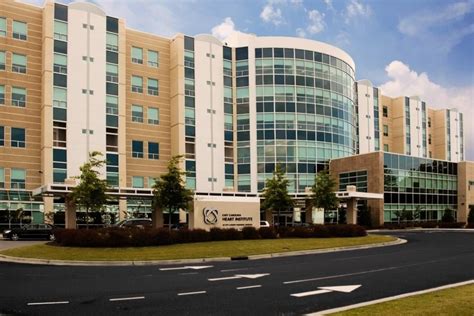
column 407, row 47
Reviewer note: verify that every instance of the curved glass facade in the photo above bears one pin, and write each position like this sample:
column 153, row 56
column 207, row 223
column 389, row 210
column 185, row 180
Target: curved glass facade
column 305, row 113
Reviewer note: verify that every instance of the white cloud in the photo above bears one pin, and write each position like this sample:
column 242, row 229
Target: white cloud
column 271, row 14
column 407, row 82
column 355, row 9
column 316, row 22
column 342, row 39
column 296, row 3
column 300, row 32
column 329, row 4
column 417, row 23
column 223, row 30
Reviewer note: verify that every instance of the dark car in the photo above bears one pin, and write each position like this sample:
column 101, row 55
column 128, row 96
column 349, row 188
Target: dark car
column 135, row 223
column 32, row 231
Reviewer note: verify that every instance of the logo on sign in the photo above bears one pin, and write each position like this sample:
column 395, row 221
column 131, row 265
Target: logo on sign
column 210, row 215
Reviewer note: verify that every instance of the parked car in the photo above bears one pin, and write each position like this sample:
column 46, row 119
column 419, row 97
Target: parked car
column 32, row 231
column 264, row 224
column 135, row 223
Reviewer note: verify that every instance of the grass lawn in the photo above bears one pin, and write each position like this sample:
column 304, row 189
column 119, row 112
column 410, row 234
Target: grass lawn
column 455, row 301
column 190, row 251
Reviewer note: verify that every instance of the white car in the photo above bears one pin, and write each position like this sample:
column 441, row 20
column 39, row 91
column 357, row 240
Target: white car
column 264, row 224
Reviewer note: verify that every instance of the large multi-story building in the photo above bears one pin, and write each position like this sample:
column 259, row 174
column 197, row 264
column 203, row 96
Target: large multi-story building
column 74, row 80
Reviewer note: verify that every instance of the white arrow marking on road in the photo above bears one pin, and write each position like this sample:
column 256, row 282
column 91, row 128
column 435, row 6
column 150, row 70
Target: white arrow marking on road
column 241, row 276
column 327, row 289
column 186, row 267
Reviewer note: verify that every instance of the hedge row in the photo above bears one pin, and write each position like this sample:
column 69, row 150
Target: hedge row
column 429, row 224
column 119, row 237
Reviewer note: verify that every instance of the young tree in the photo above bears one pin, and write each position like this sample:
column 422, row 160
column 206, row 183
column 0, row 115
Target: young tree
column 470, row 218
column 448, row 216
column 90, row 193
column 323, row 195
column 275, row 195
column 169, row 191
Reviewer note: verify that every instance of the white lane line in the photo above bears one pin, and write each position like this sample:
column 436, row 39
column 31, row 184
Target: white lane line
column 229, row 270
column 48, row 303
column 248, row 287
column 127, row 298
column 338, row 276
column 303, row 294
column 191, row 293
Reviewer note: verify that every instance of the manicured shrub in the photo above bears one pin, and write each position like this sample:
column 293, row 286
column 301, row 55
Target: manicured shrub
column 163, row 237
column 250, row 233
column 320, row 231
column 430, row 224
column 284, row 231
column 232, row 234
column 346, row 230
column 301, row 232
column 267, row 233
column 452, row 225
column 217, row 234
column 199, row 235
column 448, row 216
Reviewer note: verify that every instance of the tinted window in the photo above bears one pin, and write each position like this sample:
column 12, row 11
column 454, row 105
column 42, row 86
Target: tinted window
column 241, row 53
column 112, row 24
column 60, row 47
column 60, row 12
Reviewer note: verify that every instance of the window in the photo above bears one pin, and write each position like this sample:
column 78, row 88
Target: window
column 60, row 63
column 152, row 86
column 2, row 94
column 385, row 130
column 138, row 182
column 59, row 97
column 137, row 149
column 20, row 30
column 2, row 61
column 137, row 84
column 153, row 116
column 385, row 147
column 2, row 178
column 137, row 55
column 112, row 42
column 60, row 30
column 17, row 178
column 19, row 63
column 153, row 58
column 137, row 113
column 18, row 137
column 385, row 111
column 112, row 73
column 429, row 121
column 3, row 27
column 2, row 136
column 19, row 97
column 111, row 106
column 153, row 150
column 59, row 137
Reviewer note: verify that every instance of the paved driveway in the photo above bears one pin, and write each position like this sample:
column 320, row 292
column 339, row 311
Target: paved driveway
column 7, row 244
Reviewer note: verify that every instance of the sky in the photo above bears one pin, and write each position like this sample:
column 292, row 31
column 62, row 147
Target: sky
column 405, row 47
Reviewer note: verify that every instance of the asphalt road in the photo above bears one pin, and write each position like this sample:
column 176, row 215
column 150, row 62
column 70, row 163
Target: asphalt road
column 279, row 286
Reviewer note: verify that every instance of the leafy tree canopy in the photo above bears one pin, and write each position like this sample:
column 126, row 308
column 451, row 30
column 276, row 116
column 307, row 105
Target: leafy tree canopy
column 323, row 191
column 90, row 193
column 275, row 194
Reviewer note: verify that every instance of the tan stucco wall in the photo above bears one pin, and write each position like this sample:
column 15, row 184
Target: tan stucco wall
column 439, row 137
column 143, row 131
column 373, row 163
column 29, row 117
column 465, row 192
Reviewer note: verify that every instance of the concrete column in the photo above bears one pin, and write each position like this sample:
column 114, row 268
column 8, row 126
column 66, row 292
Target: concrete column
column 70, row 212
column 122, row 208
column 48, row 209
column 351, row 216
column 269, row 217
column 157, row 218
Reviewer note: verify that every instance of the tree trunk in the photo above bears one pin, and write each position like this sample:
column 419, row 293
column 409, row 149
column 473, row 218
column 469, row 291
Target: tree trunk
column 87, row 218
column 169, row 219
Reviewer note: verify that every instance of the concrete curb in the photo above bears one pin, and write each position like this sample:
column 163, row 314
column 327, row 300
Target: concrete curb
column 388, row 299
column 418, row 229
column 10, row 259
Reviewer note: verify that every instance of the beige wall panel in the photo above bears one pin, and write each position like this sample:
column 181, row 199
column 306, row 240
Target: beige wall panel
column 143, row 131
column 465, row 192
column 373, row 163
